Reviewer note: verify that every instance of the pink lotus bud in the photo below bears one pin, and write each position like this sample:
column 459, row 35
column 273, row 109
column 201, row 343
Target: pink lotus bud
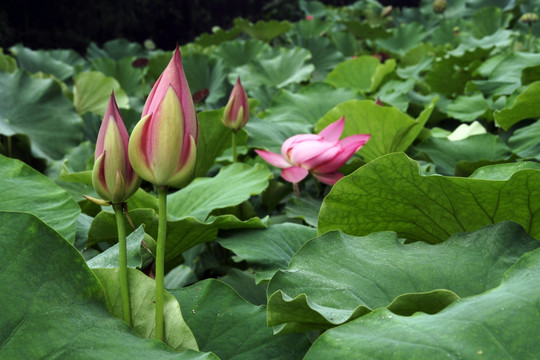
column 309, row 17
column 163, row 146
column 113, row 177
column 321, row 155
column 236, row 113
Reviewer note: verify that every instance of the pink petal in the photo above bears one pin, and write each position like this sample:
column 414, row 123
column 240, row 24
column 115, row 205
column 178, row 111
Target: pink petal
column 328, row 178
column 294, row 174
column 273, row 158
column 349, row 146
column 295, row 140
column 333, row 131
column 306, row 151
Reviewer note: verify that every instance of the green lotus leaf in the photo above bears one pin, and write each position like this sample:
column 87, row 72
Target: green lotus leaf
column 390, row 129
column 219, row 325
column 270, row 249
column 305, row 208
column 93, row 91
column 116, row 49
column 470, row 107
column 240, row 52
column 203, row 72
column 128, row 76
column 47, row 285
column 525, row 106
column 364, row 73
column 403, row 38
column 356, row 275
column 391, row 194
column 177, row 333
column 38, row 109
column 60, row 63
column 7, row 62
column 217, row 37
column 263, row 30
column 526, row 141
column 495, row 324
column 24, row 189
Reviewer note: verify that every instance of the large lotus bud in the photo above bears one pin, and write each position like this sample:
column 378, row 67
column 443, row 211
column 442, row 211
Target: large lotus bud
column 236, row 113
column 163, row 146
column 113, row 177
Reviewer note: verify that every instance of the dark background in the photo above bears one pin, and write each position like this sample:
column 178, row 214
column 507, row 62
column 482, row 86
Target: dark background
column 56, row 24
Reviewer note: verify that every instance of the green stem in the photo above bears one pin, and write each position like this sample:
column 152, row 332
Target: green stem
column 160, row 259
column 9, row 147
column 234, row 147
column 122, row 252
column 529, row 39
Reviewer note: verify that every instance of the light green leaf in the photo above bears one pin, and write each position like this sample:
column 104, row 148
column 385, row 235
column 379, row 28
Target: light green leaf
column 263, row 30
column 525, row 106
column 38, row 109
column 390, row 194
column 526, row 141
column 47, row 62
column 128, row 76
column 470, row 107
column 390, row 129
column 240, row 52
column 231, row 186
column 26, row 190
column 47, row 285
column 305, row 208
column 270, row 135
column 231, row 327
column 203, row 72
column 494, row 325
column 93, row 90
column 364, row 73
column 177, row 333
column 116, row 49
column 270, row 249
column 356, row 275
column 403, row 38
column 7, row 62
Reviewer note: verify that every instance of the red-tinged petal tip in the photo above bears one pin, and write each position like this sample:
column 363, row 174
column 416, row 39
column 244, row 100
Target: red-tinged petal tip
column 328, row 178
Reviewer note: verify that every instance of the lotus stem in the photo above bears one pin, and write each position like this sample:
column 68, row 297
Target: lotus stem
column 234, row 146
column 122, row 261
column 160, row 259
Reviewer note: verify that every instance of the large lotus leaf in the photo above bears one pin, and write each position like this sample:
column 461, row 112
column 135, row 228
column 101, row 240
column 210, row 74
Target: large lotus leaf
column 525, row 106
column 356, row 275
column 503, row 172
column 308, row 105
column 305, row 208
column 263, row 30
column 364, row 73
column 403, row 38
column 231, row 186
column 391, row 194
column 452, row 157
column 270, row 135
column 93, row 91
column 305, row 29
column 128, row 76
column 232, row 328
column 116, row 49
column 498, row 324
column 526, row 141
column 470, row 107
column 488, row 20
column 142, row 290
column 278, row 68
column 7, row 62
column 203, row 72
column 365, row 30
column 240, row 52
column 38, row 109
column 53, row 305
column 325, row 56
column 390, row 129
column 135, row 252
column 182, row 234
column 217, row 37
column 313, row 8
column 48, row 62
column 270, row 249
column 26, row 190
column 394, row 92
column 345, row 42
column 214, row 138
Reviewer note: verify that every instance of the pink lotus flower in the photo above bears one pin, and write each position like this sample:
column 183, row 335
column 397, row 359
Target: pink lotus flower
column 236, row 113
column 309, row 17
column 113, row 177
column 163, row 146
column 321, row 155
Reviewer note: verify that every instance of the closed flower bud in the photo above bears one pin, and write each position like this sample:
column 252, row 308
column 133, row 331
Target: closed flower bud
column 113, row 177
column 439, row 6
column 163, row 146
column 236, row 113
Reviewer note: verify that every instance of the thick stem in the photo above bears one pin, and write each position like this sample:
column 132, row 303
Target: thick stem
column 122, row 261
column 160, row 259
column 529, row 39
column 296, row 189
column 234, row 146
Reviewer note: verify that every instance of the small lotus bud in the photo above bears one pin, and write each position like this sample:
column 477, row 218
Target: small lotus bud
column 236, row 113
column 528, row 18
column 439, row 6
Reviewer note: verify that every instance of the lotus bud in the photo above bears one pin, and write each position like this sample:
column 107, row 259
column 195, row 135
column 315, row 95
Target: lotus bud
column 439, row 6
column 236, row 113
column 113, row 177
column 528, row 18
column 163, row 146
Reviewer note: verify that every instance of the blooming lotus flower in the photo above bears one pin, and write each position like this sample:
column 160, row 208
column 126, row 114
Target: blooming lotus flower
column 163, row 146
column 321, row 155
column 113, row 177
column 236, row 113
